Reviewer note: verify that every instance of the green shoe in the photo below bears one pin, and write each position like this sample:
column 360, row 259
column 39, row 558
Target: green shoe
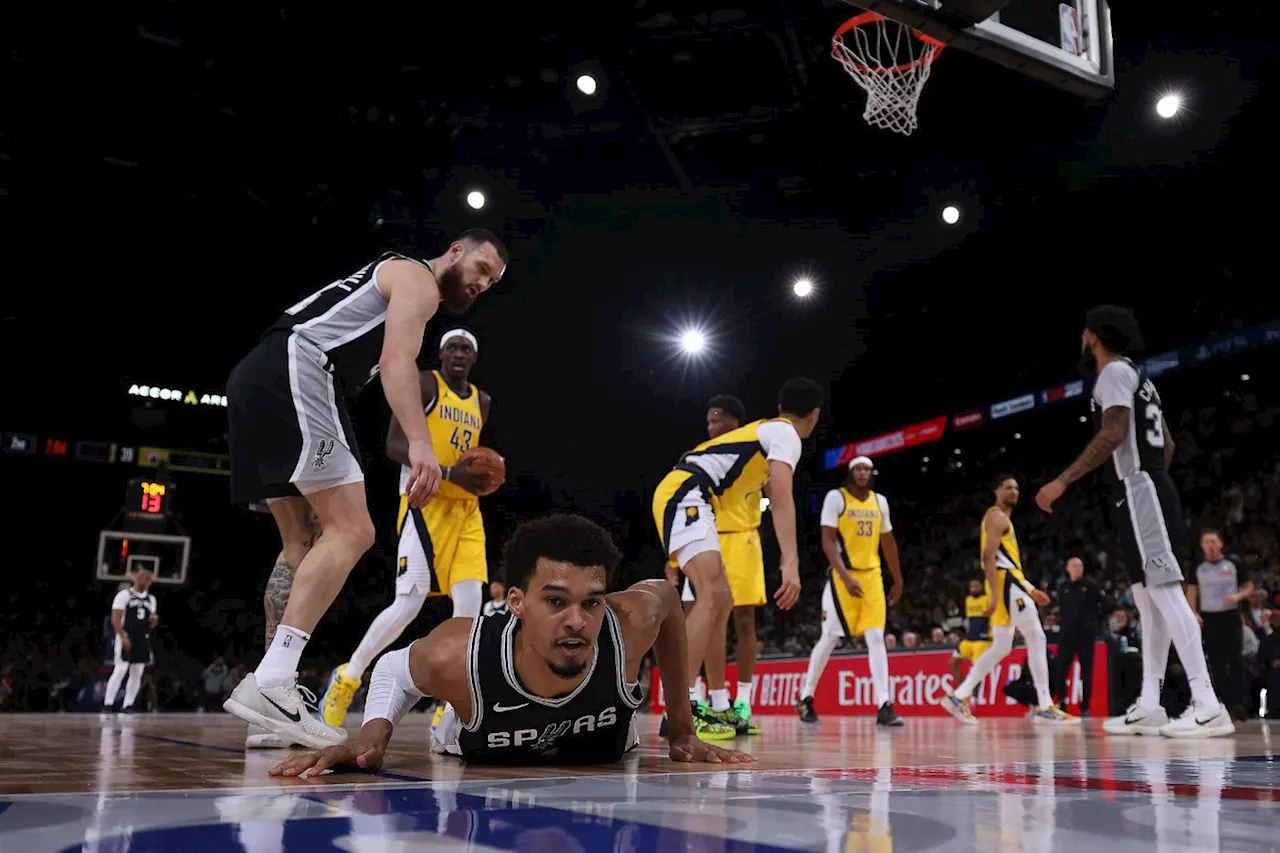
column 745, row 726
column 708, row 725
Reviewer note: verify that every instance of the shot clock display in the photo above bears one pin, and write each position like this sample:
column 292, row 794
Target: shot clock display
column 148, row 497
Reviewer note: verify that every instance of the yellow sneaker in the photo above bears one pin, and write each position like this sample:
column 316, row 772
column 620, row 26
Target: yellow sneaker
column 337, row 699
column 438, row 715
column 708, row 725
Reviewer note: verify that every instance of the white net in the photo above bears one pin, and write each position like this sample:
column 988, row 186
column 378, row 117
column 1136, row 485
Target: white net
column 891, row 62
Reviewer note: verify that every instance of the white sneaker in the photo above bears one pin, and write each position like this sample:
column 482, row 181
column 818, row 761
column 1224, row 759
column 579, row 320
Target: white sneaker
column 1137, row 721
column 260, row 738
column 281, row 710
column 1195, row 723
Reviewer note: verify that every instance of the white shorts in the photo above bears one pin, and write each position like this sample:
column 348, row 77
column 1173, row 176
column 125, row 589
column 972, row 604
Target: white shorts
column 1022, row 607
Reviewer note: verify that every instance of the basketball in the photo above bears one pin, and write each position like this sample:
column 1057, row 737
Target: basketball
column 487, row 460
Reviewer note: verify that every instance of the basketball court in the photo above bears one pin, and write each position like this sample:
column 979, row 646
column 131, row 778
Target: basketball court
column 172, row 782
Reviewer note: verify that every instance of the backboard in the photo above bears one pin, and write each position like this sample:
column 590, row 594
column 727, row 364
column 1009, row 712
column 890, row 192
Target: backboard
column 1065, row 44
column 120, row 552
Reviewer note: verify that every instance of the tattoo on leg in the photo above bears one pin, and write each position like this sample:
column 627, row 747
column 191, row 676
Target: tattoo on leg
column 276, row 597
column 313, row 527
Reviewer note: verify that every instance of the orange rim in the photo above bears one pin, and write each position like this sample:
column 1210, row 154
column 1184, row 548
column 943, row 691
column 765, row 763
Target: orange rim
column 863, row 20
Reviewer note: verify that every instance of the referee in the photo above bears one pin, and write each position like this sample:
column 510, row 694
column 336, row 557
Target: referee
column 1214, row 593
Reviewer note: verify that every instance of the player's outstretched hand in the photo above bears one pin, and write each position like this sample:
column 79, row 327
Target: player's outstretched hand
column 424, row 473
column 1040, row 596
column 361, row 757
column 690, row 749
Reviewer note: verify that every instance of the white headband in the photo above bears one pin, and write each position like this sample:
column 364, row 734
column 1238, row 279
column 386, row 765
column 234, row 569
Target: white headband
column 861, row 460
column 460, row 333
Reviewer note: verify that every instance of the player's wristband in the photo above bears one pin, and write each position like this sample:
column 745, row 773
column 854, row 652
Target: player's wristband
column 447, row 471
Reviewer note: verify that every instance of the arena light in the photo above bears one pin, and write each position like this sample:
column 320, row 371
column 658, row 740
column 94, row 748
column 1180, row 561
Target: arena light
column 802, row 288
column 476, row 200
column 1017, row 436
column 1244, row 377
column 586, row 84
column 764, row 504
column 1169, row 105
column 693, row 341
column 951, row 214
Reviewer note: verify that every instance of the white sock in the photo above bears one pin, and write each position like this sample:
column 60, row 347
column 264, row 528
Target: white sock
column 1038, row 660
column 878, row 657
column 1001, row 645
column 279, row 667
column 694, row 695
column 720, row 699
column 1155, row 648
column 1185, row 633
column 698, row 692
column 818, row 662
column 744, row 693
column 386, row 627
column 134, row 684
column 114, row 683
column 467, row 598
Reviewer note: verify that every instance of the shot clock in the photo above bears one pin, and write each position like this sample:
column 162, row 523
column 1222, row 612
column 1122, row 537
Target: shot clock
column 149, row 498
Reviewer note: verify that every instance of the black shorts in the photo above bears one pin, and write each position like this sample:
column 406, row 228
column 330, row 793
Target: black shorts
column 1147, row 515
column 288, row 427
column 139, row 651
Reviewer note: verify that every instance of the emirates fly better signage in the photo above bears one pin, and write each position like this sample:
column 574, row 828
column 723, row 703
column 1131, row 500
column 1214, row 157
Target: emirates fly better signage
column 918, row 681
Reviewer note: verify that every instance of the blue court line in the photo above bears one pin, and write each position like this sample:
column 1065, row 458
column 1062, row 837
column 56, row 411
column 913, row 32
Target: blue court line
column 385, row 774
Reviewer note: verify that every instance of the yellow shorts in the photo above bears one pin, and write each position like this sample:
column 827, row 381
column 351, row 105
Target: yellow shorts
column 440, row 545
column 973, row 649
column 846, row 616
column 743, row 566
column 1014, row 606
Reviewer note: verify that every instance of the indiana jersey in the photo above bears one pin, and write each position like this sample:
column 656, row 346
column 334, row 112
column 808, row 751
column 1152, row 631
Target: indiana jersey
column 978, row 623
column 590, row 725
column 345, row 321
column 1123, row 384
column 1007, row 554
column 454, row 423
column 859, row 525
column 735, row 466
column 743, row 516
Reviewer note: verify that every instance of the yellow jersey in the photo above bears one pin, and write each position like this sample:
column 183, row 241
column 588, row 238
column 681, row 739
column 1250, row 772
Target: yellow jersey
column 858, row 527
column 454, row 424
column 735, row 466
column 975, row 610
column 1008, row 557
column 742, row 517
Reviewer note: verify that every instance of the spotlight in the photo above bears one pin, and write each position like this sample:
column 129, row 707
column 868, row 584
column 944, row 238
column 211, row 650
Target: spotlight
column 475, row 199
column 802, row 288
column 1168, row 106
column 951, row 214
column 693, row 341
column 586, row 84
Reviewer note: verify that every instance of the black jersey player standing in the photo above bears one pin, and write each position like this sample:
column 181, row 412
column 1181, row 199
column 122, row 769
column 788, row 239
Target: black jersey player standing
column 292, row 444
column 552, row 681
column 1145, row 509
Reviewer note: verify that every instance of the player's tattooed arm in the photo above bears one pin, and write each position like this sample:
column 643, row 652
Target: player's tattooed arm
column 277, row 595
column 1115, row 425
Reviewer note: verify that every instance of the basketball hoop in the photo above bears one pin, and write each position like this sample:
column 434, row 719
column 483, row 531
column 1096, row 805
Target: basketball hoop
column 891, row 62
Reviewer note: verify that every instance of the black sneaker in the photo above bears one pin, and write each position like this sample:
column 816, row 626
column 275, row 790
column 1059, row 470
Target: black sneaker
column 805, row 709
column 888, row 717
column 662, row 726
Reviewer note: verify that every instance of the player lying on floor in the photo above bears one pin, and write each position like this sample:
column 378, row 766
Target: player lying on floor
column 554, row 680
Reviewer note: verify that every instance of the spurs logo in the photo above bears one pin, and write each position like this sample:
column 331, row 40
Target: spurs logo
column 322, row 452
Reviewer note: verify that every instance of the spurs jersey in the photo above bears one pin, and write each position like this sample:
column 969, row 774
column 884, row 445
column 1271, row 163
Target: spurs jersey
column 590, row 725
column 735, row 466
column 859, row 525
column 344, row 320
column 1123, row 383
column 454, row 424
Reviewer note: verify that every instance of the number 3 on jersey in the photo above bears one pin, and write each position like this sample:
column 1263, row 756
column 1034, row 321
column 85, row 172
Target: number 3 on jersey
column 461, row 439
column 864, row 528
column 1155, row 421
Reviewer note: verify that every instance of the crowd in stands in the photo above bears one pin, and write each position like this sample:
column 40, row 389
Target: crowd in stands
column 56, row 644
